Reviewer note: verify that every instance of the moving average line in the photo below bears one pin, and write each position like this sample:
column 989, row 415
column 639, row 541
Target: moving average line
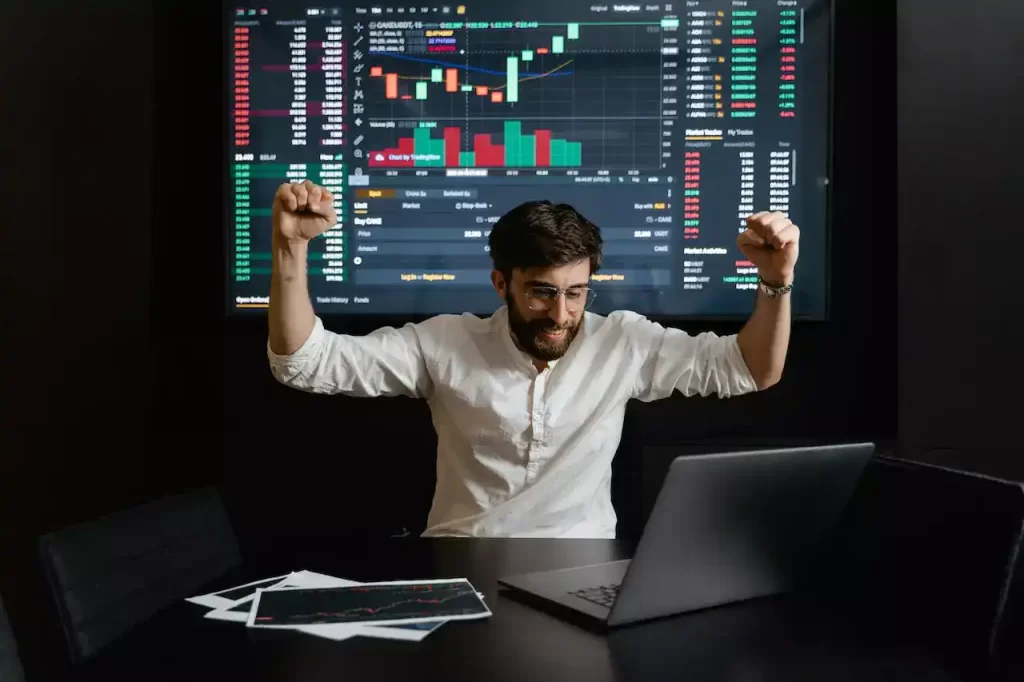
column 458, row 66
column 500, row 87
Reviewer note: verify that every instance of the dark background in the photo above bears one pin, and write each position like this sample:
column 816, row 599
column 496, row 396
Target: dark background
column 122, row 383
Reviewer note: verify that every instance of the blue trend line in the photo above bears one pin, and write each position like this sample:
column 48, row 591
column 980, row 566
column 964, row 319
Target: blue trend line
column 463, row 66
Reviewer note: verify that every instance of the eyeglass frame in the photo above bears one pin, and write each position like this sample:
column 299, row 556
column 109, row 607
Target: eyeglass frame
column 591, row 294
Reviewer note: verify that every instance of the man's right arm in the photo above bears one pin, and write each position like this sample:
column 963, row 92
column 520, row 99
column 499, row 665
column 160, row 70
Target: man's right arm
column 386, row 362
column 304, row 355
column 301, row 211
column 291, row 316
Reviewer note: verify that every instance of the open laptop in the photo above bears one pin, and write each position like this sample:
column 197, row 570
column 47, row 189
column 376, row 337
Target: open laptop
column 725, row 528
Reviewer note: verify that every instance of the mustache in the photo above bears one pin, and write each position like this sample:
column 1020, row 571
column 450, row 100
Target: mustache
column 548, row 326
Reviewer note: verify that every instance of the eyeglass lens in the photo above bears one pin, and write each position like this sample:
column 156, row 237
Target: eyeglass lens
column 543, row 298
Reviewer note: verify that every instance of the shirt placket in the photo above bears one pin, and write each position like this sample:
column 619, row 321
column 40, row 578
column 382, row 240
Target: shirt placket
column 537, row 410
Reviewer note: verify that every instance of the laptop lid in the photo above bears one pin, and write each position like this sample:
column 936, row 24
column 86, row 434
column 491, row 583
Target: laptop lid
column 733, row 526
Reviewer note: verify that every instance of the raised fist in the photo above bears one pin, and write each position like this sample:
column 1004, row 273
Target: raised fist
column 771, row 242
column 302, row 211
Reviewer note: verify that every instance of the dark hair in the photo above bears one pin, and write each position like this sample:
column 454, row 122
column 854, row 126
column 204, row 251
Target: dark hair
column 542, row 234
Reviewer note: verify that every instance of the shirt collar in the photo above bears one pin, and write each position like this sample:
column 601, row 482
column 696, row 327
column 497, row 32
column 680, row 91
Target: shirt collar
column 504, row 330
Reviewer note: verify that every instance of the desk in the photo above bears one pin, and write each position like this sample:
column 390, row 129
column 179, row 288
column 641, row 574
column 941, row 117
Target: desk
column 764, row 641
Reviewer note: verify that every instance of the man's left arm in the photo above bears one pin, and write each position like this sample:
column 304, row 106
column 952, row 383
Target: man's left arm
column 771, row 242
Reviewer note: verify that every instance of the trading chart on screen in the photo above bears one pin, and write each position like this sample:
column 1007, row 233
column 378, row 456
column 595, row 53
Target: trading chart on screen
column 666, row 124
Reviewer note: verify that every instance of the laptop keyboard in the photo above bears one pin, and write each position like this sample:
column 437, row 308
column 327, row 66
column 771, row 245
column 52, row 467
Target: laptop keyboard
column 603, row 595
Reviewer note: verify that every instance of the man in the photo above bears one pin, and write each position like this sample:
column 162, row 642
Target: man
column 528, row 404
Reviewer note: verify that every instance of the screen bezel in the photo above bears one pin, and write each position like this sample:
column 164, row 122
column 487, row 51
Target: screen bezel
column 370, row 320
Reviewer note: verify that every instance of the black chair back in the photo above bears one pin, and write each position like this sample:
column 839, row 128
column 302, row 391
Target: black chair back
column 110, row 575
column 934, row 556
column 10, row 664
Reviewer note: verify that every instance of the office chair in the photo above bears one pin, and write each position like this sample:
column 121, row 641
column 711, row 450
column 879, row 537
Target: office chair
column 109, row 575
column 940, row 554
column 10, row 664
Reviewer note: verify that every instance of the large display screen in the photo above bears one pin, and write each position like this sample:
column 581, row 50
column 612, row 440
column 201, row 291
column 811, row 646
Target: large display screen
column 665, row 123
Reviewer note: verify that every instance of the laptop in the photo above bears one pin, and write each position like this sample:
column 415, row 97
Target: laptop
column 725, row 528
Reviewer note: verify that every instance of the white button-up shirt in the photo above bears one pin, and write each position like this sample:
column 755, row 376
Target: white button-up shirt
column 520, row 453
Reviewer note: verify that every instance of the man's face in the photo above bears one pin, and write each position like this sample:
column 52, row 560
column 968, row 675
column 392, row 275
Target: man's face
column 544, row 328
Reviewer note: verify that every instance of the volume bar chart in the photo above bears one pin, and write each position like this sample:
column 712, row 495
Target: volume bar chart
column 536, row 150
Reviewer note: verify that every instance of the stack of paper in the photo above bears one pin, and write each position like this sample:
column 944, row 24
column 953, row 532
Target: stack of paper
column 338, row 609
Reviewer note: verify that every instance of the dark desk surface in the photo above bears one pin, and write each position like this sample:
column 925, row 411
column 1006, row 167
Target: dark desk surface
column 764, row 641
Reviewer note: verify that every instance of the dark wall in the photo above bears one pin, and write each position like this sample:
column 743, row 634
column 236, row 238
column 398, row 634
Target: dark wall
column 120, row 375
column 960, row 144
column 77, row 192
column 76, row 129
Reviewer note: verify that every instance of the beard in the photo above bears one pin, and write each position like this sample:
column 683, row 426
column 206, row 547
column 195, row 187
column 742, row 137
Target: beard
column 529, row 333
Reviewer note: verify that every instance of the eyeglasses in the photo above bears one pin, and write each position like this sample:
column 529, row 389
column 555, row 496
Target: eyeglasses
column 545, row 297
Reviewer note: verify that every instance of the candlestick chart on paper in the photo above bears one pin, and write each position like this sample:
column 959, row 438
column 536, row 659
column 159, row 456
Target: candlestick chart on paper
column 368, row 603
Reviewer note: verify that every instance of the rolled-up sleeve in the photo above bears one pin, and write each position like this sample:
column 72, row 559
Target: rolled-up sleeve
column 386, row 362
column 673, row 360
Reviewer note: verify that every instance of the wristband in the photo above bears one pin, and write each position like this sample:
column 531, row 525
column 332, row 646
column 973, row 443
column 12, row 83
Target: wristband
column 771, row 290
